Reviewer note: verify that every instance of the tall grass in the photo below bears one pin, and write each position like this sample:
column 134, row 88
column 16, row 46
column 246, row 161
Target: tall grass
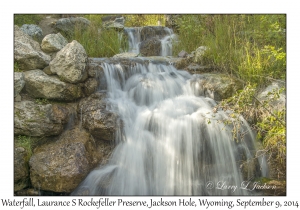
column 97, row 40
column 252, row 47
column 21, row 19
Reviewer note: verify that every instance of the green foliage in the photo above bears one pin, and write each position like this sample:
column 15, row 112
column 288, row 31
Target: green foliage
column 27, row 143
column 250, row 47
column 144, row 20
column 98, row 41
column 21, row 19
column 16, row 67
column 41, row 101
column 270, row 126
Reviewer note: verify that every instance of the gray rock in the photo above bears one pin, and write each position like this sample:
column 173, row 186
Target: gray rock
column 182, row 54
column 149, row 32
column 101, row 123
column 61, row 165
column 47, row 70
column 96, row 71
column 215, row 86
column 67, row 25
column 40, row 85
column 196, row 68
column 31, row 119
column 28, row 53
column 126, row 55
column 116, row 22
column 21, row 169
column 53, row 42
column 272, row 94
column 90, row 86
column 19, row 82
column 70, row 63
column 34, row 31
column 150, row 47
column 197, row 55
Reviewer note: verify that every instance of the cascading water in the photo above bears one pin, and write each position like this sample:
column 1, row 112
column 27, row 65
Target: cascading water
column 173, row 142
column 134, row 40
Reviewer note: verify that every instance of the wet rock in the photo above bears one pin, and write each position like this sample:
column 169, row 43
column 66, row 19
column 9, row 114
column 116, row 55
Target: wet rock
column 27, row 52
column 21, row 169
column 61, row 165
column 70, row 63
column 150, row 47
column 19, row 82
column 101, row 123
column 53, row 42
column 67, row 25
column 40, row 85
column 215, row 86
column 96, row 71
column 149, row 32
column 34, row 31
column 31, row 119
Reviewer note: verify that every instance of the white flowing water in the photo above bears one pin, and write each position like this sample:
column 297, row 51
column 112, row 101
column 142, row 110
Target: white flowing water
column 173, row 142
column 134, row 40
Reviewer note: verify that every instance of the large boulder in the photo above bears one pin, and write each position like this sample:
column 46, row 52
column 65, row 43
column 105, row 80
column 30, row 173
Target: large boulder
column 101, row 123
column 67, row 25
column 21, row 169
column 116, row 22
column 19, row 82
column 40, row 85
column 34, row 31
column 31, row 119
column 61, row 165
column 150, row 47
column 27, row 52
column 53, row 42
column 70, row 63
column 149, row 32
column 215, row 86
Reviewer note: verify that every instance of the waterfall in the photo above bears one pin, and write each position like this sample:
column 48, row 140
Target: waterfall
column 134, row 40
column 173, row 141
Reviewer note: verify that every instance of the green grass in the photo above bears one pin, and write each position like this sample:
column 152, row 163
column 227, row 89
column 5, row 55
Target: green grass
column 27, row 143
column 98, row 41
column 16, row 67
column 21, row 19
column 251, row 47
